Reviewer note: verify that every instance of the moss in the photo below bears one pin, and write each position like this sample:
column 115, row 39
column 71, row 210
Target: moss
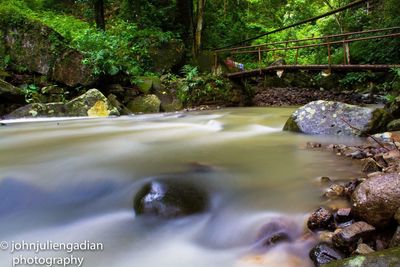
column 378, row 122
column 388, row 258
column 291, row 125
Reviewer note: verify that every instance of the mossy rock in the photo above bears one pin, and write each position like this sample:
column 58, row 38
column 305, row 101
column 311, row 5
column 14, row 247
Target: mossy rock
column 394, row 125
column 145, row 104
column 35, row 47
column 384, row 258
column 92, row 104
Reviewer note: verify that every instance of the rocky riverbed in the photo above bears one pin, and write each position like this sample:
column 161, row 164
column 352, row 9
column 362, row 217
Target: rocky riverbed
column 367, row 220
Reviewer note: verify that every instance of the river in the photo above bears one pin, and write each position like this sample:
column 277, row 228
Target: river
column 71, row 181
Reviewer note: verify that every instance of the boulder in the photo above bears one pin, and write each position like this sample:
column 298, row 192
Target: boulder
column 388, row 257
column 170, row 198
column 145, row 104
column 377, row 199
column 324, row 253
column 93, row 104
column 34, row 47
column 69, row 69
column 336, row 118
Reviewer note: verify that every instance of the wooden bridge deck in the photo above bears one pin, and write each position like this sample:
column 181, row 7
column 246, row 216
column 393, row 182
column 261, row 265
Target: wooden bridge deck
column 291, row 68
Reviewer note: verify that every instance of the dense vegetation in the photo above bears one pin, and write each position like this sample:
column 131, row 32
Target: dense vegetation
column 115, row 35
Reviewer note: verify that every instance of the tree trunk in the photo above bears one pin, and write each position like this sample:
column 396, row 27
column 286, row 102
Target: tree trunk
column 99, row 14
column 199, row 26
column 184, row 18
column 346, row 47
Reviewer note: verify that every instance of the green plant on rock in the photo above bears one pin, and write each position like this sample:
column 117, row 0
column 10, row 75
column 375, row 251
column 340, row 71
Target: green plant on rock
column 31, row 93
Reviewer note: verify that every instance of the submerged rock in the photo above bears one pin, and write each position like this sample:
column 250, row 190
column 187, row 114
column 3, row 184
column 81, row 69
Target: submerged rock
column 384, row 258
column 323, row 253
column 93, row 104
column 170, row 198
column 377, row 199
column 276, row 231
column 336, row 118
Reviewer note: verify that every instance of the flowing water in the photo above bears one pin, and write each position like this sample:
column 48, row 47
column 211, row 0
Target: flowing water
column 73, row 181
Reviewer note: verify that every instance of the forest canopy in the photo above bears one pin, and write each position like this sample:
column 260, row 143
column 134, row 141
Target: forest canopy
column 115, row 35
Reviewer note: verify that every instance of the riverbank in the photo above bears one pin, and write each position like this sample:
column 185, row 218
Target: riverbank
column 293, row 96
column 359, row 217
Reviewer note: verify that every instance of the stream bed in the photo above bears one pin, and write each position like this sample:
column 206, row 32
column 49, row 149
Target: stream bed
column 70, row 182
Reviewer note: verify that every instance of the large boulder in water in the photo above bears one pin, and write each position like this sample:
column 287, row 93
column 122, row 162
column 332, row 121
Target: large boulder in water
column 336, row 118
column 377, row 199
column 93, row 104
column 170, row 198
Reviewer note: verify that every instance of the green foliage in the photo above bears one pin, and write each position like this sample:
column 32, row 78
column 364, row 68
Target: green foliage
column 194, row 88
column 31, row 93
column 354, row 78
column 123, row 48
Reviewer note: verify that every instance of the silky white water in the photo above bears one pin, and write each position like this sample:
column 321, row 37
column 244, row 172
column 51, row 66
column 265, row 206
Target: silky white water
column 73, row 181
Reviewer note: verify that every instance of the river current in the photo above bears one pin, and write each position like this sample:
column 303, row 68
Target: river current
column 70, row 182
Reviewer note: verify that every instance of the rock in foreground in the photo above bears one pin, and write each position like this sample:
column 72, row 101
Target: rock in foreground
column 388, row 257
column 170, row 198
column 377, row 199
column 334, row 118
column 324, row 253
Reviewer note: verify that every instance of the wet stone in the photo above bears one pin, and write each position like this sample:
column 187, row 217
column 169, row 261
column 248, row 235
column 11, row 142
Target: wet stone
column 324, row 253
column 351, row 186
column 363, row 249
column 343, row 215
column 325, row 180
column 170, row 198
column 347, row 237
column 370, row 165
column 335, row 191
column 274, row 232
column 320, row 219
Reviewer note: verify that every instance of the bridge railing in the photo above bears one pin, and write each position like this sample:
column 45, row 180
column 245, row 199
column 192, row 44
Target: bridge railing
column 262, row 51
